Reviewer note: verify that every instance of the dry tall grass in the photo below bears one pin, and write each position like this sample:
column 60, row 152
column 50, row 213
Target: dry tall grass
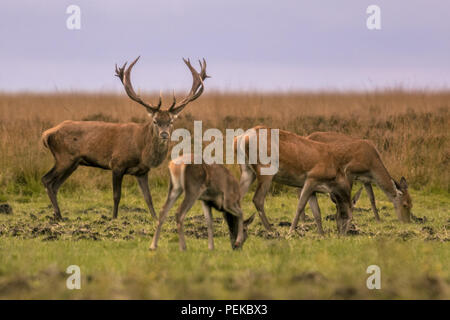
column 409, row 128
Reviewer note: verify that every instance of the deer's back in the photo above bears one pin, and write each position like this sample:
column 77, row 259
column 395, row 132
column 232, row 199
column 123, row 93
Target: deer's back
column 300, row 157
column 357, row 155
column 95, row 143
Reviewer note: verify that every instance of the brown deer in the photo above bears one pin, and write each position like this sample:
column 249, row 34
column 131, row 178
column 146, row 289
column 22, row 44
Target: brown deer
column 127, row 148
column 312, row 165
column 362, row 162
column 216, row 187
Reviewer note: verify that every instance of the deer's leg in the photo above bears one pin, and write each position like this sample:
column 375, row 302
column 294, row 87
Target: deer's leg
column 186, row 205
column 306, row 193
column 53, row 180
column 173, row 195
column 369, row 190
column 264, row 183
column 209, row 223
column 302, row 213
column 117, row 190
column 143, row 184
column 48, row 180
column 247, row 178
column 314, row 205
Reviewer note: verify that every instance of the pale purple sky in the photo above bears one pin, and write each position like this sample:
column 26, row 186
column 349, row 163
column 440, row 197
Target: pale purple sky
column 257, row 44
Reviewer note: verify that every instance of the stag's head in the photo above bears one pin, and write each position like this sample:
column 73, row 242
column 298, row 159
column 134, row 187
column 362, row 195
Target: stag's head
column 163, row 119
column 402, row 201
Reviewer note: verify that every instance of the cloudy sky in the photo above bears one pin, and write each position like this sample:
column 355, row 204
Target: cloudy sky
column 252, row 44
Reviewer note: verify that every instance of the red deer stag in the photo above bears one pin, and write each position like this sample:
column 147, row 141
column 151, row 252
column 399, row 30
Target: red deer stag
column 362, row 162
column 302, row 163
column 127, row 148
column 216, row 187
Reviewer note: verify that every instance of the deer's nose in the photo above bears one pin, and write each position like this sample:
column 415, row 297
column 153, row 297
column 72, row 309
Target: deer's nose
column 164, row 135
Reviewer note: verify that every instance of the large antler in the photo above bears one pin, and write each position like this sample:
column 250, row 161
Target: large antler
column 124, row 76
column 197, row 87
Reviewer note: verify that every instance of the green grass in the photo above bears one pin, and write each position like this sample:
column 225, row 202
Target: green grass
column 115, row 262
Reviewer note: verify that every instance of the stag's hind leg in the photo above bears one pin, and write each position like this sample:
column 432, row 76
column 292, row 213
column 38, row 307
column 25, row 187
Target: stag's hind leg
column 143, row 184
column 53, row 180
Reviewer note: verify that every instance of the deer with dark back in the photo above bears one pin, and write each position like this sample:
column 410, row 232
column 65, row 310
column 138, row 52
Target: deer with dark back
column 123, row 148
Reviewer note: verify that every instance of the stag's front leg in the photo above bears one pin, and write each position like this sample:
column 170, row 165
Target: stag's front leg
column 117, row 190
column 143, row 184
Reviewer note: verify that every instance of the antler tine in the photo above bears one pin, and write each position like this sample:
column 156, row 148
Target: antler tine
column 174, row 100
column 125, row 77
column 203, row 69
column 197, row 86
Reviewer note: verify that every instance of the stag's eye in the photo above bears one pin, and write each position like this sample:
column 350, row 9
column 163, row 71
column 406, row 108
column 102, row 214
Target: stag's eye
column 154, row 121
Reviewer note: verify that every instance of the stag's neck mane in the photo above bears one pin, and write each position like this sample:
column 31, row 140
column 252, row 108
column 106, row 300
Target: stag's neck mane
column 156, row 149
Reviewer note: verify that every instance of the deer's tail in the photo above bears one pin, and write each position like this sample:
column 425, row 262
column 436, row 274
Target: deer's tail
column 46, row 136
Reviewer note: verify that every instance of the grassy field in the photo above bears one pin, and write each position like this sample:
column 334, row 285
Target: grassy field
column 410, row 130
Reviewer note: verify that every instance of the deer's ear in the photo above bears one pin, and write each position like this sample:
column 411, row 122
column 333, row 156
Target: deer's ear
column 403, row 184
column 249, row 220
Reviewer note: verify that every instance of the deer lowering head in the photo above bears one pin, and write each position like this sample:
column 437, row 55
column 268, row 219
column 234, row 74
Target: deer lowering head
column 163, row 119
column 402, row 200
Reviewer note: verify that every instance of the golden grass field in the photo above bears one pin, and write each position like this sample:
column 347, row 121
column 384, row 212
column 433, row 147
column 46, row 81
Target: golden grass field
column 410, row 129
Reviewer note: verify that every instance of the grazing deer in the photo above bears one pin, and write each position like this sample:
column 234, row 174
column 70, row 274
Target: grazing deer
column 216, row 187
column 362, row 162
column 127, row 148
column 302, row 163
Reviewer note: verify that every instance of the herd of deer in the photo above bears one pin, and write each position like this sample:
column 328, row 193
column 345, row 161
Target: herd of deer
column 324, row 162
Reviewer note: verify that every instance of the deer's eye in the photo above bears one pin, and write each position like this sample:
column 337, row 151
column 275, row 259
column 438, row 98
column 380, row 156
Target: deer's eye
column 154, row 121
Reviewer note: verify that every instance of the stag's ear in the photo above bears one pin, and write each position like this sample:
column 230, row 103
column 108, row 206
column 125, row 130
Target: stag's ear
column 403, row 184
column 249, row 220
